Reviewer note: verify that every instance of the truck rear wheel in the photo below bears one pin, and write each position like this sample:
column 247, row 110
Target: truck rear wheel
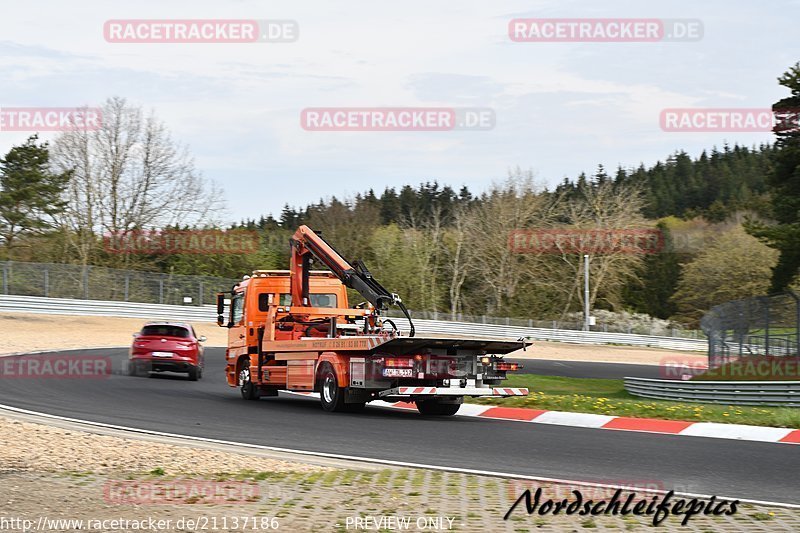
column 330, row 394
column 248, row 389
column 436, row 408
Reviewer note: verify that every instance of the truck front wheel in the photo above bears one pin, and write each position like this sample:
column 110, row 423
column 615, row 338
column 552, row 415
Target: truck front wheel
column 331, row 395
column 248, row 389
column 436, row 408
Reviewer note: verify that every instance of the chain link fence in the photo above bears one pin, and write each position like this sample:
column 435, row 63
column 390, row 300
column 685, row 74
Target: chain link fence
column 109, row 284
column 762, row 325
column 100, row 283
column 622, row 324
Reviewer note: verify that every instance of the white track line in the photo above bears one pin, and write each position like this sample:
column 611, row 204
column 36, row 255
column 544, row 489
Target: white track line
column 379, row 461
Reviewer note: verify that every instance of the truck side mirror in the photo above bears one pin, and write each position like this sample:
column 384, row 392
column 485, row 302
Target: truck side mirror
column 221, row 309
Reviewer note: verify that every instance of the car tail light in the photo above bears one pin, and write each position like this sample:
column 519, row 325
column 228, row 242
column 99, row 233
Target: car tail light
column 507, row 366
column 399, row 362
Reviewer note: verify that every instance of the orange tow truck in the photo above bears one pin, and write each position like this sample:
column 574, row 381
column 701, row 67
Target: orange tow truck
column 294, row 330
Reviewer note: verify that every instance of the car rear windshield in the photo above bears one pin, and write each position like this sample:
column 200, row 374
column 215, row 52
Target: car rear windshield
column 165, row 330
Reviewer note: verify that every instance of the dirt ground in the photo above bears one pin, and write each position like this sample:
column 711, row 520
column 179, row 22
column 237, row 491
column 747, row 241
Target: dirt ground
column 31, row 332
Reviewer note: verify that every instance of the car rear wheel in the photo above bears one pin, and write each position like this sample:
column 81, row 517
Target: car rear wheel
column 248, row 389
column 436, row 408
column 193, row 373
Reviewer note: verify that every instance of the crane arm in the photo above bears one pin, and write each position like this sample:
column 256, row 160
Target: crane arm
column 306, row 243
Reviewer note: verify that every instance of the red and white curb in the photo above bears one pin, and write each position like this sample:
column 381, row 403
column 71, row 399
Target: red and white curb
column 620, row 423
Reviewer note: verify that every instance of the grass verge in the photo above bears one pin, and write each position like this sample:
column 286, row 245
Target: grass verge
column 609, row 397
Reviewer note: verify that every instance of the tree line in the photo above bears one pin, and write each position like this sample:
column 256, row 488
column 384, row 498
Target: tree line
column 726, row 220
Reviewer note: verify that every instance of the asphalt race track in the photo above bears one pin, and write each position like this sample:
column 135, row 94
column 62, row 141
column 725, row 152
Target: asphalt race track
column 209, row 408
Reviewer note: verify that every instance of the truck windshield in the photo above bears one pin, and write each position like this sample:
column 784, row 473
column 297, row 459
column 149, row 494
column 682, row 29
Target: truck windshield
column 165, row 330
column 317, row 300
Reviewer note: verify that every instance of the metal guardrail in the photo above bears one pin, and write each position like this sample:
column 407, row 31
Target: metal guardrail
column 65, row 306
column 778, row 393
column 68, row 306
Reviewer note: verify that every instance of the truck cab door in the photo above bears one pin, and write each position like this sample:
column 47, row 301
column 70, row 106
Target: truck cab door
column 237, row 334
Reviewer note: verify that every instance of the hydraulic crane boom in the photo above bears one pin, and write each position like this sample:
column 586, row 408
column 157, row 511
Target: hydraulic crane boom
column 305, row 244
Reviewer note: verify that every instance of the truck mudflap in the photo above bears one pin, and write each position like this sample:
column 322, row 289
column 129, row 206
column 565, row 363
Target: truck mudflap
column 430, row 392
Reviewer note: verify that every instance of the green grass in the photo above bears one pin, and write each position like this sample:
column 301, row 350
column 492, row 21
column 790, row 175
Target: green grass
column 609, row 397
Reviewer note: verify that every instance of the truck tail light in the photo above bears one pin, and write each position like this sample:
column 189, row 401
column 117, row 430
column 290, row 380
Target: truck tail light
column 507, row 366
column 399, row 362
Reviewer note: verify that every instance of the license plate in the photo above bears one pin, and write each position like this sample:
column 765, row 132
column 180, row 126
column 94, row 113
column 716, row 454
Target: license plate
column 163, row 354
column 398, row 372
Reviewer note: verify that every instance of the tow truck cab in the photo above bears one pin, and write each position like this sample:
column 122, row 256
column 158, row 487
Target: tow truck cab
column 248, row 308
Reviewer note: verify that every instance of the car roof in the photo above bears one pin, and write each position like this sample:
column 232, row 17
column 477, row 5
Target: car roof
column 167, row 323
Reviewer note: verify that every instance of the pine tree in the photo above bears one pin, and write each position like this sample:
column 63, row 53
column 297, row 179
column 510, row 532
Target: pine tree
column 30, row 195
column 785, row 181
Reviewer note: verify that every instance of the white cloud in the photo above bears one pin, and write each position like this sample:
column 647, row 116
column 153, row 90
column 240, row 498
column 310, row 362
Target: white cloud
column 561, row 108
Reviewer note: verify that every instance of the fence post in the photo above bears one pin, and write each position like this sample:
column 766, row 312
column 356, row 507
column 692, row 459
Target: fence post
column 797, row 320
column 46, row 282
column 161, row 291
column 5, row 277
column 766, row 335
column 200, row 294
column 86, row 282
column 127, row 285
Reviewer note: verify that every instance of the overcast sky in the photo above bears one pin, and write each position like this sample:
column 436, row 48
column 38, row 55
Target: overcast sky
column 561, row 108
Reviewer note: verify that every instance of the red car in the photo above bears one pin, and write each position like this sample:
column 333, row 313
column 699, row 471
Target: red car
column 166, row 347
